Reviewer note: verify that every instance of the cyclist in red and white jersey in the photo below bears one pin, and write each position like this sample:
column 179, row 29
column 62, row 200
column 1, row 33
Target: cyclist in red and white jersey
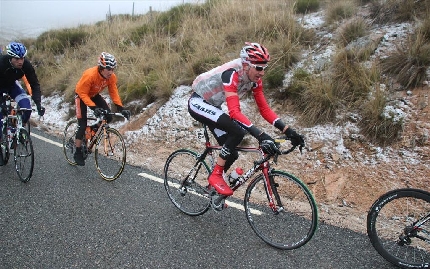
column 227, row 83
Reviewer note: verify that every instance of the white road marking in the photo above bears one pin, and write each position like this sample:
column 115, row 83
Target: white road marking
column 151, row 177
column 46, row 140
column 229, row 203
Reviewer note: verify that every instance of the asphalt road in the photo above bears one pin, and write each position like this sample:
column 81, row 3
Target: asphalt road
column 68, row 217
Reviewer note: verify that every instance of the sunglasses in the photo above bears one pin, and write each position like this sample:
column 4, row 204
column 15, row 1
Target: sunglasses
column 258, row 67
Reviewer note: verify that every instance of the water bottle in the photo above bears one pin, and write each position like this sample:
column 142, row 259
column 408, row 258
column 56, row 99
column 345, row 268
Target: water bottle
column 235, row 174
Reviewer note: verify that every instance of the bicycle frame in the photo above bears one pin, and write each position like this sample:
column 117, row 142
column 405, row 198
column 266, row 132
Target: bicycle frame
column 263, row 164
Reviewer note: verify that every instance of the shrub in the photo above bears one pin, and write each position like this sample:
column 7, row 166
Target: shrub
column 274, row 77
column 307, row 6
column 351, row 31
column 317, row 103
column 338, row 10
column 409, row 63
column 380, row 122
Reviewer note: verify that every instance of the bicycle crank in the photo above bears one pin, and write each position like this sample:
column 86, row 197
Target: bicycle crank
column 217, row 201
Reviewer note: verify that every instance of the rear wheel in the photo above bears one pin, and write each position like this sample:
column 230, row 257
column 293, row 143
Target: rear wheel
column 292, row 222
column 186, row 181
column 23, row 155
column 69, row 141
column 110, row 154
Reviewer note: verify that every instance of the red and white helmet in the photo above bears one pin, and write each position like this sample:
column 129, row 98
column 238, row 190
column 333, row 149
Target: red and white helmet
column 254, row 53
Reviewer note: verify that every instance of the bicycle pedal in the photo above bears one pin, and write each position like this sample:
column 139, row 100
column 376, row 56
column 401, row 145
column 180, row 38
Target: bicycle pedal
column 218, row 202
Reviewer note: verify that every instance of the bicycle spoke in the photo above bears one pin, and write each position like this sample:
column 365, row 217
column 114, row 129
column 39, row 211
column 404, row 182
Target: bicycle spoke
column 288, row 223
column 24, row 155
column 110, row 154
column 69, row 141
column 185, row 182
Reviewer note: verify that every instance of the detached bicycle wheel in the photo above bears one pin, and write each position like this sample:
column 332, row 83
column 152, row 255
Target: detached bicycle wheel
column 69, row 141
column 293, row 223
column 399, row 229
column 186, row 181
column 23, row 155
column 110, row 154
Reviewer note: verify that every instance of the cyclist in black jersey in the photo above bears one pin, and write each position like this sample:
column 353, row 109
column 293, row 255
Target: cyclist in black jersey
column 13, row 66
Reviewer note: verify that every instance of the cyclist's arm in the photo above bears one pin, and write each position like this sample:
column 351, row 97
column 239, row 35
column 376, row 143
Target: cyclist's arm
column 266, row 112
column 113, row 91
column 31, row 76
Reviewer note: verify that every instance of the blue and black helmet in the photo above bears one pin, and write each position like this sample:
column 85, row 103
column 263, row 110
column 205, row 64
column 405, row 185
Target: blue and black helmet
column 16, row 50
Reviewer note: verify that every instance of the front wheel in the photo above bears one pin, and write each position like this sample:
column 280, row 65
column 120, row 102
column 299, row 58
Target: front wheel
column 291, row 221
column 23, row 155
column 398, row 227
column 69, row 141
column 110, row 154
column 186, row 181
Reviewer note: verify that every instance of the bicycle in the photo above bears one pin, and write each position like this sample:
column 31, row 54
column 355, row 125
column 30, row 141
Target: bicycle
column 399, row 229
column 16, row 138
column 106, row 142
column 279, row 207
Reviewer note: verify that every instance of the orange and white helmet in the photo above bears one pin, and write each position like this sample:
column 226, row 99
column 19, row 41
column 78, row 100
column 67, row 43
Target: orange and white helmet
column 107, row 60
column 254, row 53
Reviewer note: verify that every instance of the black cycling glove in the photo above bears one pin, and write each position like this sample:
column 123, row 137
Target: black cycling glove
column 268, row 144
column 295, row 138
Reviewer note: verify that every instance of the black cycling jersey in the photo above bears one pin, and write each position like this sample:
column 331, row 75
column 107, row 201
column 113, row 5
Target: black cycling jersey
column 9, row 76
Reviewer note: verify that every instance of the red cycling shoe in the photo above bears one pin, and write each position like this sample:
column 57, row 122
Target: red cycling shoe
column 216, row 180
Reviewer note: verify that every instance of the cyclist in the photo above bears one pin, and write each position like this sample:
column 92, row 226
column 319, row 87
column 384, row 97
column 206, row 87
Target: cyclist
column 88, row 89
column 227, row 83
column 13, row 66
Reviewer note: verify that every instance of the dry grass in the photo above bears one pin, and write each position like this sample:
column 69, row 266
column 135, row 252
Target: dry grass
column 158, row 51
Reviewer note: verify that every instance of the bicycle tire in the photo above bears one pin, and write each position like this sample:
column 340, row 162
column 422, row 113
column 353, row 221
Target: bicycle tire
column 110, row 154
column 191, row 198
column 69, row 141
column 387, row 220
column 4, row 147
column 293, row 226
column 23, row 154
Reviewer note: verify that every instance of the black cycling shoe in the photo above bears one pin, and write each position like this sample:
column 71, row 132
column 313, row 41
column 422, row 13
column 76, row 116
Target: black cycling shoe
column 79, row 158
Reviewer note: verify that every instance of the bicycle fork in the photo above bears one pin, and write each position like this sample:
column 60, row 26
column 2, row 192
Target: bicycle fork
column 271, row 190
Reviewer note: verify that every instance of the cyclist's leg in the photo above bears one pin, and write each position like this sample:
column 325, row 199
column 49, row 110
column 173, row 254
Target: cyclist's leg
column 21, row 98
column 222, row 125
column 81, row 115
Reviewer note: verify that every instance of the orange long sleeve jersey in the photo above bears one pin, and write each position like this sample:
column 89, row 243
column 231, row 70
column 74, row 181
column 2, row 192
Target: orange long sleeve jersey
column 92, row 83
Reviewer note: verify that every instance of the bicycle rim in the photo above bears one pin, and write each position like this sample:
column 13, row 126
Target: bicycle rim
column 69, row 141
column 23, row 155
column 390, row 217
column 110, row 154
column 189, row 196
column 293, row 226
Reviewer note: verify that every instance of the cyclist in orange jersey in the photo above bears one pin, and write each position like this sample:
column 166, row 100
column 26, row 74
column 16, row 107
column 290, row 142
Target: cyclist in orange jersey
column 88, row 89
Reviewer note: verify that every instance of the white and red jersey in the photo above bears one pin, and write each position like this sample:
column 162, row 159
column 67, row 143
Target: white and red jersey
column 230, row 77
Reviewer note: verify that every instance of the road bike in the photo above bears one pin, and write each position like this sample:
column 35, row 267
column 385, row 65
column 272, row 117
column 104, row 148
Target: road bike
column 279, row 207
column 16, row 139
column 106, row 142
column 399, row 228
